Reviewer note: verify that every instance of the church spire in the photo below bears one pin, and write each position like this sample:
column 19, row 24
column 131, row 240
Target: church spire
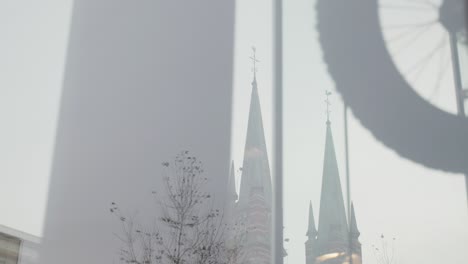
column 311, row 230
column 255, row 168
column 332, row 219
column 337, row 239
column 327, row 102
column 254, row 61
column 353, row 224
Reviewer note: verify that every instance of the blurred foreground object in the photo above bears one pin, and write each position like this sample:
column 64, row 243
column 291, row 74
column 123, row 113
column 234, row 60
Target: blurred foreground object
column 377, row 93
column 17, row 247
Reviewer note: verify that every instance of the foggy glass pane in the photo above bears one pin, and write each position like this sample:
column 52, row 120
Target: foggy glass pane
column 144, row 132
column 361, row 78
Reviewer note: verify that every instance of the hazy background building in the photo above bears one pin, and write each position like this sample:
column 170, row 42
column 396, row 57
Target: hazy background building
column 18, row 247
column 253, row 208
column 331, row 242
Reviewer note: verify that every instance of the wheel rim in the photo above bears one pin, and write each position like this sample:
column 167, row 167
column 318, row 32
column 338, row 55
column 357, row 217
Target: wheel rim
column 358, row 60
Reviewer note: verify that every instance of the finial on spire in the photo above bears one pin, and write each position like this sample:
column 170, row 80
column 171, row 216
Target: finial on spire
column 254, row 60
column 327, row 102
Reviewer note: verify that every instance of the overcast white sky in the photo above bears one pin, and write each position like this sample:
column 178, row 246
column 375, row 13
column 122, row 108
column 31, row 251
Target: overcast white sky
column 424, row 209
column 34, row 36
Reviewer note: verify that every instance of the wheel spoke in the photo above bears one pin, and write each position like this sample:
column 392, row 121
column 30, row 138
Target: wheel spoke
column 407, row 8
column 407, row 33
column 412, row 3
column 417, row 43
column 426, row 59
column 412, row 41
column 411, row 26
column 444, row 64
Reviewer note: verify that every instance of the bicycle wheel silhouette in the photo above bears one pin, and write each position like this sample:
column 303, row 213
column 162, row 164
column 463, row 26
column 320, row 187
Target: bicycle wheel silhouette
column 418, row 35
column 378, row 68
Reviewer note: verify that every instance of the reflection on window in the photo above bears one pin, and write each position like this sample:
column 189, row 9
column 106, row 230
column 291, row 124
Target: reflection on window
column 9, row 249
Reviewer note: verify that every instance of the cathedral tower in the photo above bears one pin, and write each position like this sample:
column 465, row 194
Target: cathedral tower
column 330, row 244
column 253, row 207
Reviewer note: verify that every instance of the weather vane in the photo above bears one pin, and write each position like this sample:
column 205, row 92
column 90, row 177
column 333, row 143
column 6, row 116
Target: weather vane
column 254, row 60
column 327, row 102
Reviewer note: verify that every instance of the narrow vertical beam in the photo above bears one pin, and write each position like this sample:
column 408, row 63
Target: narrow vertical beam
column 277, row 253
column 457, row 75
column 466, row 27
column 458, row 87
column 348, row 183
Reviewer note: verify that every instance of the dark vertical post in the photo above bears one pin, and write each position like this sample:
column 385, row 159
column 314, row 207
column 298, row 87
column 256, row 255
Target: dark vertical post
column 277, row 253
column 348, row 183
column 459, row 95
column 457, row 75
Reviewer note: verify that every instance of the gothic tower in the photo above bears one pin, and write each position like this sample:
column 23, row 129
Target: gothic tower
column 253, row 208
column 330, row 244
column 255, row 168
column 231, row 194
column 311, row 238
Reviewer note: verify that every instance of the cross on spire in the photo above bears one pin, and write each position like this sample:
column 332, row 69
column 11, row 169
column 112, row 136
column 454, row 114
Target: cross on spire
column 327, row 103
column 254, row 60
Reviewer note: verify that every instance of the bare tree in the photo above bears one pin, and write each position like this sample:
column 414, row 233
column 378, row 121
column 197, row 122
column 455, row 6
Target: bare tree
column 189, row 230
column 385, row 252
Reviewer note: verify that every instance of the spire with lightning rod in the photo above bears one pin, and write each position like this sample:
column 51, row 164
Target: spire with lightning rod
column 254, row 60
column 327, row 102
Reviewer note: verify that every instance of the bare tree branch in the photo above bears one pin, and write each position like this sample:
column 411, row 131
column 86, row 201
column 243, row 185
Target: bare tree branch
column 193, row 231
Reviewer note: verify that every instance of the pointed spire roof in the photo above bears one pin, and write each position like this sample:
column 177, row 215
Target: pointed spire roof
column 353, row 224
column 332, row 220
column 255, row 168
column 311, row 230
column 232, row 193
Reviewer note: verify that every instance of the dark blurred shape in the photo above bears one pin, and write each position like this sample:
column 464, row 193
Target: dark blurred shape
column 144, row 79
column 378, row 95
column 452, row 15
